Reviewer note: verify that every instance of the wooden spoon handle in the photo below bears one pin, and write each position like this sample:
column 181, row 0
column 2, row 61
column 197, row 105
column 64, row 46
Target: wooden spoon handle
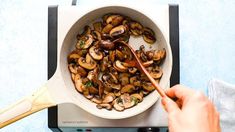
column 39, row 100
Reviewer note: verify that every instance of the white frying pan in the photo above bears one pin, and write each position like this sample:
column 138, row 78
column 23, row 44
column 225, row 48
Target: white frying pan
column 60, row 88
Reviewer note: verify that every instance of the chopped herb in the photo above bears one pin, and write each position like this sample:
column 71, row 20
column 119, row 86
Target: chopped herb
column 89, row 84
column 81, row 43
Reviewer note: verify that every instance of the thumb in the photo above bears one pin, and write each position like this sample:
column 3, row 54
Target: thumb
column 169, row 105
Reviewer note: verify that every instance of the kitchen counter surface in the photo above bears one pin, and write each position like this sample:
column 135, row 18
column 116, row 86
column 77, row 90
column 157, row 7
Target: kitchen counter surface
column 207, row 48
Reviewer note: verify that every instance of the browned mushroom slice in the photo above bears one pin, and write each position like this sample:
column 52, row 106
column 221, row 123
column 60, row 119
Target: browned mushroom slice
column 136, row 28
column 96, row 100
column 109, row 98
column 124, row 78
column 132, row 70
column 107, row 28
column 107, row 44
column 87, row 63
column 73, row 56
column 104, row 64
column 115, row 86
column 93, row 90
column 147, row 63
column 156, row 75
column 84, row 42
column 106, row 106
column 73, row 68
column 119, row 54
column 97, row 26
column 81, row 71
column 95, row 53
column 117, row 31
column 106, row 36
column 149, row 36
column 117, row 104
column 159, row 55
column 101, row 88
column 113, row 78
column 88, row 96
column 129, row 88
column 117, row 93
column 96, row 35
column 114, row 20
column 127, row 101
column 119, row 66
column 112, row 55
column 78, row 83
column 134, row 81
column 148, row 87
column 137, row 96
column 86, row 31
column 150, row 54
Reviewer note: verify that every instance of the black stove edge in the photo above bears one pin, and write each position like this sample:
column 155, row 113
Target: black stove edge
column 174, row 42
column 52, row 56
column 52, row 61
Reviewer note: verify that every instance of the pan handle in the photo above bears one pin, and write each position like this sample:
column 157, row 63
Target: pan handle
column 39, row 100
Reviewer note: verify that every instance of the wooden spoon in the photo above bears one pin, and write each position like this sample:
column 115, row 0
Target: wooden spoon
column 142, row 68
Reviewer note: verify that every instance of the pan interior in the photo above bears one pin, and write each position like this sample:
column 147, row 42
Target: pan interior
column 69, row 45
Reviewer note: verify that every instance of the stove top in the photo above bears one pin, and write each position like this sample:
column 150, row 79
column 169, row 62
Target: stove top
column 69, row 117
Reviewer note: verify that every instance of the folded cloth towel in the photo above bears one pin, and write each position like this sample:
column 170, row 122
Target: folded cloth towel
column 222, row 95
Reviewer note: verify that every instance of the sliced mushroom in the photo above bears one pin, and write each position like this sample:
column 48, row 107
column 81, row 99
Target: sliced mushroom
column 132, row 70
column 73, row 68
column 136, row 28
column 119, row 66
column 88, row 96
column 134, row 81
column 119, row 54
column 96, row 100
column 73, row 57
column 117, row 31
column 107, row 28
column 87, row 63
column 107, row 44
column 93, row 90
column 117, row 93
column 84, row 42
column 150, row 54
column 117, row 104
column 86, row 31
column 124, row 78
column 129, row 88
column 115, row 86
column 138, row 96
column 104, row 64
column 106, row 36
column 101, row 88
column 95, row 53
column 159, row 55
column 149, row 36
column 147, row 63
column 156, row 75
column 81, row 71
column 97, row 26
column 106, row 106
column 148, row 87
column 78, row 83
column 114, row 20
column 96, row 35
column 112, row 55
column 113, row 78
column 127, row 101
column 109, row 98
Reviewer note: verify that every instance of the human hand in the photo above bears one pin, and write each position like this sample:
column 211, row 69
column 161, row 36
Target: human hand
column 192, row 112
